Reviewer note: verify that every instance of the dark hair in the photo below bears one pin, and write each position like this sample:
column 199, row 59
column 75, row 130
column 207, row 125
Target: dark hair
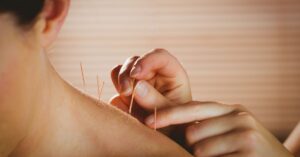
column 26, row 11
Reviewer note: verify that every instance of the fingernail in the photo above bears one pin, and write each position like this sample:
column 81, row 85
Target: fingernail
column 125, row 88
column 135, row 71
column 141, row 89
column 150, row 121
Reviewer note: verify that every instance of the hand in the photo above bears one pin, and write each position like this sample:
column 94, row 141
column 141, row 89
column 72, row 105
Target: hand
column 218, row 130
column 161, row 82
column 160, row 71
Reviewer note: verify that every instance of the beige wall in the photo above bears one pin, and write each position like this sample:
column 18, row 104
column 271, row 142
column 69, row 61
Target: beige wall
column 235, row 51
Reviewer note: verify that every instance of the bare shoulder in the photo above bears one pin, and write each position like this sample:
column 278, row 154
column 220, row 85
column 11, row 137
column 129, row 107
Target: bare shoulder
column 121, row 135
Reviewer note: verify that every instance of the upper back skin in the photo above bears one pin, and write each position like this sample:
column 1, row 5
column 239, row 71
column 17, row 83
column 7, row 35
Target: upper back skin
column 94, row 129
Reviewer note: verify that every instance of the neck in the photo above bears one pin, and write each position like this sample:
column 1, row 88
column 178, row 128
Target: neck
column 51, row 103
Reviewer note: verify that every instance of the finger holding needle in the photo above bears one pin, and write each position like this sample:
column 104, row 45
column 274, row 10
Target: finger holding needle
column 132, row 101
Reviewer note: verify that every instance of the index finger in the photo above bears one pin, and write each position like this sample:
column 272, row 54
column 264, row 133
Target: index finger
column 191, row 112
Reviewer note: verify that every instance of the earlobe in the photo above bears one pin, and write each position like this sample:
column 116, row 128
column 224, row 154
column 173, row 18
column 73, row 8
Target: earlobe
column 53, row 15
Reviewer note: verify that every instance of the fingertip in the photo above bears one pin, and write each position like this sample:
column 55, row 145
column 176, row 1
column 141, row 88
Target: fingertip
column 136, row 71
column 115, row 70
column 150, row 121
column 114, row 76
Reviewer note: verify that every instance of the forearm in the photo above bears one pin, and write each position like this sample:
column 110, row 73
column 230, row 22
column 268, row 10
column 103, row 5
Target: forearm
column 293, row 141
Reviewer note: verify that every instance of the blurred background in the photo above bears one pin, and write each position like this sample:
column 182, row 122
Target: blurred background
column 235, row 51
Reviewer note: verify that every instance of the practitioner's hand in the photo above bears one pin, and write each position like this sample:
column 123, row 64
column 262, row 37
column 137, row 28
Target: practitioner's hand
column 159, row 70
column 218, row 130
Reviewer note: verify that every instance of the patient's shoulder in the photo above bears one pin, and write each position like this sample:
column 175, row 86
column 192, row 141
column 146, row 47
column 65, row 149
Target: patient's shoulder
column 121, row 135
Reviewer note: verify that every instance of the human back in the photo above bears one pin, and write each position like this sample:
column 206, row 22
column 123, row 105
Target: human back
column 86, row 127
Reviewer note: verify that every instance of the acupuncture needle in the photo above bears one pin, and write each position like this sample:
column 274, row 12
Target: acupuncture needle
column 132, row 98
column 100, row 89
column 132, row 101
column 82, row 77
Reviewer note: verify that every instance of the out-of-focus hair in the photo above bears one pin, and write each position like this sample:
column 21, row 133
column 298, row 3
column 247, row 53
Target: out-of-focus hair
column 25, row 11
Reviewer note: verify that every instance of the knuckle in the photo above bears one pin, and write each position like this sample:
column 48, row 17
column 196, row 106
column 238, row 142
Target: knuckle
column 133, row 58
column 160, row 50
column 141, row 61
column 247, row 119
column 129, row 63
column 239, row 107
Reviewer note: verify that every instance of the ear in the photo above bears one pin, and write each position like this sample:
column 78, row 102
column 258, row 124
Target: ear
column 51, row 20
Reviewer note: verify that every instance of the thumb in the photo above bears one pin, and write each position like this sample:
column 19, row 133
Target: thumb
column 148, row 97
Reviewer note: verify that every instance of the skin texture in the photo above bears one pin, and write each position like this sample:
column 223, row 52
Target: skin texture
column 42, row 115
column 293, row 141
column 210, row 128
column 12, row 69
